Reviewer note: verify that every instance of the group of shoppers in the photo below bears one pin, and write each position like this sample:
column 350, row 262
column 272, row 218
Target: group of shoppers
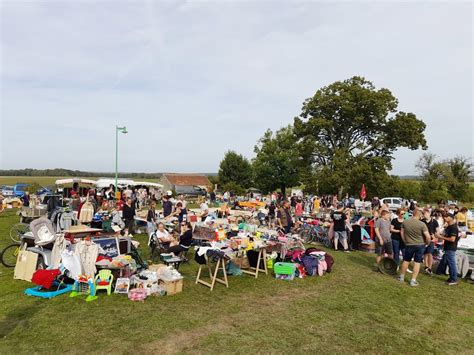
column 415, row 238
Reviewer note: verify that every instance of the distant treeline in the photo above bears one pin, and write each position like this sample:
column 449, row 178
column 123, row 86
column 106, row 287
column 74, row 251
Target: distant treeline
column 79, row 173
column 75, row 173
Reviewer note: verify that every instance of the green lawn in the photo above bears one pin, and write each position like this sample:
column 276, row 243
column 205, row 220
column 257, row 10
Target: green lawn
column 353, row 309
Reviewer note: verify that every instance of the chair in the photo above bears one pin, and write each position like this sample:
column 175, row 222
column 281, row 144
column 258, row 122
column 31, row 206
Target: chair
column 104, row 280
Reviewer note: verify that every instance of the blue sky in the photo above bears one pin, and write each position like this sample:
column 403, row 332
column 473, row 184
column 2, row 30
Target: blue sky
column 191, row 80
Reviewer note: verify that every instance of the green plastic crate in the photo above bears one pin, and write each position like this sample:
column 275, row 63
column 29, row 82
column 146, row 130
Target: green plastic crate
column 284, row 268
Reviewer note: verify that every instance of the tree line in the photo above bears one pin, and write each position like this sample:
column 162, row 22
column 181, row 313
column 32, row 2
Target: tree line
column 74, row 173
column 345, row 136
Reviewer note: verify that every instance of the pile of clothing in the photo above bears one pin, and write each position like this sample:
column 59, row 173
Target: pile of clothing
column 311, row 262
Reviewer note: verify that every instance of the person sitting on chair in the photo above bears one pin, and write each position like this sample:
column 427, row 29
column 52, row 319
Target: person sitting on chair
column 163, row 235
column 185, row 239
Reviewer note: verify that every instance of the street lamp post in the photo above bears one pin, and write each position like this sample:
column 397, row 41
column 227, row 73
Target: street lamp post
column 124, row 131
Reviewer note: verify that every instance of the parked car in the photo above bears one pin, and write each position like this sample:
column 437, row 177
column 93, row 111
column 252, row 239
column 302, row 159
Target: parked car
column 7, row 191
column 393, row 203
column 190, row 191
column 14, row 191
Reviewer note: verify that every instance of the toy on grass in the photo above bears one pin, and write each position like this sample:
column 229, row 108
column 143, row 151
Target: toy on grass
column 104, row 280
column 50, row 283
column 84, row 285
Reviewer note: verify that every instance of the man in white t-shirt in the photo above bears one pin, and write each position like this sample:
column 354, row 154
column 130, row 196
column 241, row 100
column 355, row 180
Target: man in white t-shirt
column 204, row 210
column 162, row 234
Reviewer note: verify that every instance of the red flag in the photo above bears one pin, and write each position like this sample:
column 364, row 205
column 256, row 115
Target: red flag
column 363, row 193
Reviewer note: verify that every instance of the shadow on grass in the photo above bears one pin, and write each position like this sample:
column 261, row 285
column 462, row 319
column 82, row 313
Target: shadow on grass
column 17, row 317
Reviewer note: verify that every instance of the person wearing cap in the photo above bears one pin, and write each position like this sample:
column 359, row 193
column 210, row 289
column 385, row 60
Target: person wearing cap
column 433, row 228
column 338, row 223
column 451, row 238
column 415, row 236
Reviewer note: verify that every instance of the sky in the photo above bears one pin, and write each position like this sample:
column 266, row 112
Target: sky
column 191, row 80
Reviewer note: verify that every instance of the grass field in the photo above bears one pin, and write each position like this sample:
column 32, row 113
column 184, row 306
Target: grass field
column 353, row 309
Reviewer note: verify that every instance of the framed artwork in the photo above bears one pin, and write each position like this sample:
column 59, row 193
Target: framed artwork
column 108, row 247
column 122, row 285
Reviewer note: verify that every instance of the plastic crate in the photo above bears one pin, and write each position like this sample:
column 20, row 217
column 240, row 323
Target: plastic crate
column 284, row 268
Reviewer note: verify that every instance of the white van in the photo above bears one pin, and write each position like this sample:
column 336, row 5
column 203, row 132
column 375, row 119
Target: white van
column 393, row 203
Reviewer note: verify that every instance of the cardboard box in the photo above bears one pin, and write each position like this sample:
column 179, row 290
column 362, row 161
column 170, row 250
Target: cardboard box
column 172, row 287
column 156, row 267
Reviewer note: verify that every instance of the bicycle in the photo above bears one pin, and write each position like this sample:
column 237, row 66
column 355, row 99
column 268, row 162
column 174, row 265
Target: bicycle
column 315, row 234
column 17, row 230
column 9, row 255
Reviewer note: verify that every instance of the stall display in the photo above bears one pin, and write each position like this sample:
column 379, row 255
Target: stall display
column 96, row 259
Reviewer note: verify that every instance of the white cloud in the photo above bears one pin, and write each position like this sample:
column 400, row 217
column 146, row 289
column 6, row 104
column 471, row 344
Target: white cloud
column 193, row 79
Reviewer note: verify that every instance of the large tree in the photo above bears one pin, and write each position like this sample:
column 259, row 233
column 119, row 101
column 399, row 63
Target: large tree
column 443, row 179
column 235, row 168
column 349, row 122
column 275, row 165
column 433, row 178
column 457, row 178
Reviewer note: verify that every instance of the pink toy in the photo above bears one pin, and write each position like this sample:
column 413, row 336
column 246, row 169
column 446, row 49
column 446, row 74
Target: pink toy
column 137, row 294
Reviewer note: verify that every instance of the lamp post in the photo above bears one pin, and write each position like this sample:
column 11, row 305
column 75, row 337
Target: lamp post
column 124, row 131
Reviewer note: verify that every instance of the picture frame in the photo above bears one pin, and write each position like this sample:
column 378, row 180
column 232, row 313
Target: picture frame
column 108, row 247
column 122, row 285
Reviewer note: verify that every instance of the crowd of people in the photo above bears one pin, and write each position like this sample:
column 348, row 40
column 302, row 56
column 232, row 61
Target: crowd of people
column 410, row 234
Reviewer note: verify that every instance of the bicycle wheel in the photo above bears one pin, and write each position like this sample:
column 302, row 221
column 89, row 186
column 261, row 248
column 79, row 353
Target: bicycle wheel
column 9, row 255
column 18, row 230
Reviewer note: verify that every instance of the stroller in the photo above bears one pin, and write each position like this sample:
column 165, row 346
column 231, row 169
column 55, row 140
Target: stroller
column 43, row 235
